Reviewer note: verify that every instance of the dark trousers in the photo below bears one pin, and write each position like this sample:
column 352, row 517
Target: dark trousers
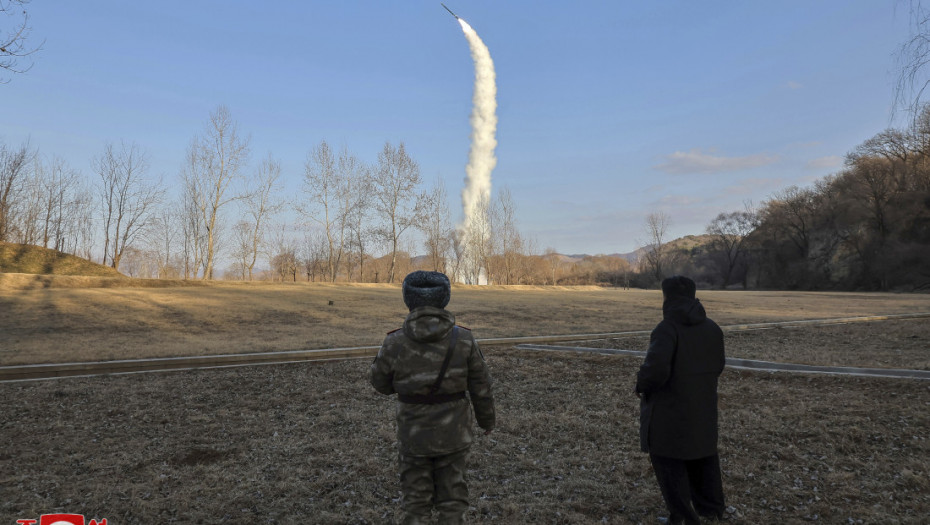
column 434, row 482
column 690, row 488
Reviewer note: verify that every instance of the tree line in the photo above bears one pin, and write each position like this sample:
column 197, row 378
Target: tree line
column 355, row 221
column 866, row 227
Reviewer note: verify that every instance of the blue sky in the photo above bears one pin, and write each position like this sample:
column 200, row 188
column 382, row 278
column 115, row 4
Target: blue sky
column 607, row 110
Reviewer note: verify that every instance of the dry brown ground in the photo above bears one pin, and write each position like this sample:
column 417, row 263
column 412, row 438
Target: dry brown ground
column 880, row 344
column 314, row 443
column 63, row 319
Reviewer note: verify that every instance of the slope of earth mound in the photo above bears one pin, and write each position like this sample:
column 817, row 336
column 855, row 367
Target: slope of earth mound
column 26, row 258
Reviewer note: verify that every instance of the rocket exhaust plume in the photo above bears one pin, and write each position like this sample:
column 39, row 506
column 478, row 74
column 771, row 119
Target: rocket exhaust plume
column 481, row 160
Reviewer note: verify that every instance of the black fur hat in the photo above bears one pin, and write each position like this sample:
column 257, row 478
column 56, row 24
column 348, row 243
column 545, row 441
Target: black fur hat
column 426, row 289
column 678, row 286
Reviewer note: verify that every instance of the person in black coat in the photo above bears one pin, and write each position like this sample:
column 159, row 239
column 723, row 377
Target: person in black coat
column 677, row 385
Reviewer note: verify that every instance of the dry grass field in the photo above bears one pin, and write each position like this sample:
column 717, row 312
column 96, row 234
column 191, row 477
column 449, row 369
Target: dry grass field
column 314, row 443
column 884, row 344
column 65, row 319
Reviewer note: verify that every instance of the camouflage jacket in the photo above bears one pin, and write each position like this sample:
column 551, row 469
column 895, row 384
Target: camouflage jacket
column 409, row 363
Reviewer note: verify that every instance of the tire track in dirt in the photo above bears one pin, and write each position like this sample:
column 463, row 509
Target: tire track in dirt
column 36, row 372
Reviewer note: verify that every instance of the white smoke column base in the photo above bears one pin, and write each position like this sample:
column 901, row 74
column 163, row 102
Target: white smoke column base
column 481, row 160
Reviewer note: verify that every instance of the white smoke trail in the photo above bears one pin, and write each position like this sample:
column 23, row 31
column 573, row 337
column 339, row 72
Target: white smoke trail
column 481, row 159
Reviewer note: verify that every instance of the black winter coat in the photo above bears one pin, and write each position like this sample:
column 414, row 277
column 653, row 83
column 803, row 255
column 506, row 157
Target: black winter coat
column 678, row 383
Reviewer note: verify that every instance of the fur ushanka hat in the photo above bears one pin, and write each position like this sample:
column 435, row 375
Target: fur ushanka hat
column 426, row 289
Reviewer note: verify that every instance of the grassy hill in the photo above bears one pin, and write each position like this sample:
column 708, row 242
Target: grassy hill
column 686, row 243
column 690, row 242
column 26, row 258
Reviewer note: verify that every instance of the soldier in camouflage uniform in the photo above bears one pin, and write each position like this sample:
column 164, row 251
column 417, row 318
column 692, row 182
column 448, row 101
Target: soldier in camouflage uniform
column 431, row 363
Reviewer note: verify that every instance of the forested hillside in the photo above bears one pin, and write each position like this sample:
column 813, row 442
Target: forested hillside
column 866, row 227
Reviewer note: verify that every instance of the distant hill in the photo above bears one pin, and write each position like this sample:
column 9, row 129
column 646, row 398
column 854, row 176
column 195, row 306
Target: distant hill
column 686, row 243
column 690, row 242
column 26, row 258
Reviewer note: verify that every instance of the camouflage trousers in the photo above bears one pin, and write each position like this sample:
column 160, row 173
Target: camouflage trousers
column 434, row 482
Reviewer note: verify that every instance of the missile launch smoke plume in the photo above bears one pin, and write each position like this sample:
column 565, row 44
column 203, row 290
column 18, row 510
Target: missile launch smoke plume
column 481, row 159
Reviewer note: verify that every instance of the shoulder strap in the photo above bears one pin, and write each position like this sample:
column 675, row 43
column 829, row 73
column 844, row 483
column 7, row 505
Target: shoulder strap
column 445, row 364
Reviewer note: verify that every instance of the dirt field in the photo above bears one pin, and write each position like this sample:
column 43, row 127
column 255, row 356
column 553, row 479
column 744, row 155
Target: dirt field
column 279, row 443
column 68, row 319
column 878, row 344
column 292, row 443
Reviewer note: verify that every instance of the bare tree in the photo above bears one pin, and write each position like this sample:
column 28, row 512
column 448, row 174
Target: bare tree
column 529, row 265
column 242, row 250
column 28, row 208
column 77, row 236
column 284, row 262
column 793, row 208
column 456, row 264
column 874, row 186
column 730, row 231
column 913, row 56
column 261, row 205
column 478, row 248
column 192, row 229
column 13, row 172
column 553, row 265
column 871, row 186
column 396, row 201
column 13, row 41
column 140, row 264
column 321, row 185
column 163, row 237
column 918, row 139
column 654, row 256
column 437, row 227
column 360, row 231
column 510, row 244
column 332, row 187
column 49, row 194
column 313, row 255
column 214, row 165
column 128, row 198
column 60, row 186
column 356, row 204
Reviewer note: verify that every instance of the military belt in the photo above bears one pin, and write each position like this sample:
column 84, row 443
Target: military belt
column 429, row 399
